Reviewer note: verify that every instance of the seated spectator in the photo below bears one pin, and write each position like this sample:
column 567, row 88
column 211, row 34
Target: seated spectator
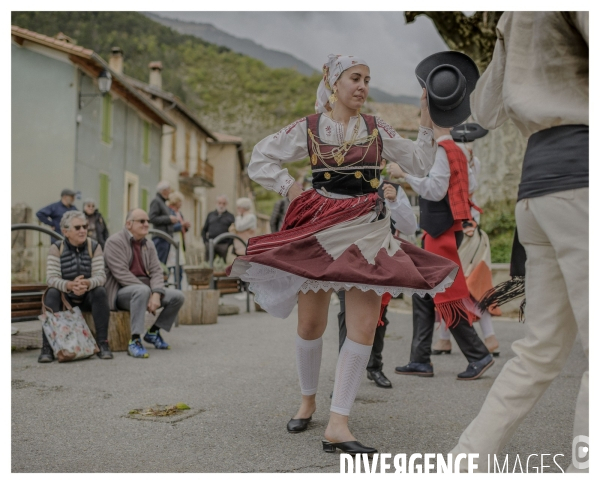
column 134, row 283
column 179, row 230
column 97, row 228
column 76, row 268
column 52, row 214
column 245, row 224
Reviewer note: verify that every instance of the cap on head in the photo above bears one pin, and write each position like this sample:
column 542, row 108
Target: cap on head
column 67, row 192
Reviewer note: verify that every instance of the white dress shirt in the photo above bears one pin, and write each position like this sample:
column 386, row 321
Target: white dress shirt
column 290, row 144
column 435, row 186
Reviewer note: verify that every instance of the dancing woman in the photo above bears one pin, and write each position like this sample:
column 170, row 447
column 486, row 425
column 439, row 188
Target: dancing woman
column 336, row 236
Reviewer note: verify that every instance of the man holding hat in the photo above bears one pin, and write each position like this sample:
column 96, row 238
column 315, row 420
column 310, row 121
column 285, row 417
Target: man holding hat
column 539, row 78
column 52, row 214
column 444, row 203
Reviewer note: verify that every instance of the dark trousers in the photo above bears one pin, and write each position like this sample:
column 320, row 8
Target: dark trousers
column 376, row 359
column 424, row 321
column 220, row 250
column 95, row 301
column 162, row 249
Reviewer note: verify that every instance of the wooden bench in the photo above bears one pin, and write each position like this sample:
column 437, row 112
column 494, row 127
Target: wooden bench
column 119, row 329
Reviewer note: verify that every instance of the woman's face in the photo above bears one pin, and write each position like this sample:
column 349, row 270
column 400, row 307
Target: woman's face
column 241, row 210
column 353, row 86
column 89, row 208
column 176, row 205
column 77, row 231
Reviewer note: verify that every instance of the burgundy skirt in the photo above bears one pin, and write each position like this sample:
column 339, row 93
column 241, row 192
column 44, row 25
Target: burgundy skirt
column 328, row 243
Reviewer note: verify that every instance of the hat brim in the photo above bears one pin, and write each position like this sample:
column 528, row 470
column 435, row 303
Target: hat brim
column 468, row 132
column 468, row 68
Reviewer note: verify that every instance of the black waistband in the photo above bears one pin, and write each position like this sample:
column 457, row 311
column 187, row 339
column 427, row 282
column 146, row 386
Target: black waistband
column 556, row 159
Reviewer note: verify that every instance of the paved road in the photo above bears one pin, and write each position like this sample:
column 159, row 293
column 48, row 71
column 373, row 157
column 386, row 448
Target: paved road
column 241, row 373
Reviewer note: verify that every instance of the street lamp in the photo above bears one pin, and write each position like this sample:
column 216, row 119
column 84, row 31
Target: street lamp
column 104, row 84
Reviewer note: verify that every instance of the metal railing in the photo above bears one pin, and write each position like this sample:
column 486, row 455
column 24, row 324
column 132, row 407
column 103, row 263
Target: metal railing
column 157, row 233
column 211, row 260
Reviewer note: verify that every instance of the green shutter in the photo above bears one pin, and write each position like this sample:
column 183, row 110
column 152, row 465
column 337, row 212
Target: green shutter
column 104, row 195
column 146, row 146
column 144, row 205
column 107, row 118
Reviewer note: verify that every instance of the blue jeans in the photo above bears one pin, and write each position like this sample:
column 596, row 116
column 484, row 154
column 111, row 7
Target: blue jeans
column 162, row 249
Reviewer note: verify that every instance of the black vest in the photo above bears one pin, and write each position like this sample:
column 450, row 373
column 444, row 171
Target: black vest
column 436, row 217
column 76, row 261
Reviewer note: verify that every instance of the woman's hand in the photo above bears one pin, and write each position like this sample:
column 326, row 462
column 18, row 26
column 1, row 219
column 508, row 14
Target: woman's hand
column 425, row 117
column 395, row 170
column 294, row 191
column 389, row 192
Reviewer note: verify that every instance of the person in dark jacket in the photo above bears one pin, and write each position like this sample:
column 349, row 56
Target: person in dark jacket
column 217, row 223
column 97, row 228
column 52, row 214
column 161, row 219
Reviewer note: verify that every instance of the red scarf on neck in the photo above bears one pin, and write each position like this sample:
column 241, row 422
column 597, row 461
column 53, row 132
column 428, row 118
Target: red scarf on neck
column 450, row 302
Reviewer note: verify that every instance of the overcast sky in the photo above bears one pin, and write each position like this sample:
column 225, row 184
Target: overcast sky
column 390, row 47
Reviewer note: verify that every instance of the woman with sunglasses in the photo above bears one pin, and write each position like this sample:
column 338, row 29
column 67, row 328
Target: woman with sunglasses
column 75, row 268
column 97, row 228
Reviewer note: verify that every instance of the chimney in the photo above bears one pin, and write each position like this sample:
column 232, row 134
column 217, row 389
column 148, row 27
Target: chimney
column 116, row 60
column 155, row 74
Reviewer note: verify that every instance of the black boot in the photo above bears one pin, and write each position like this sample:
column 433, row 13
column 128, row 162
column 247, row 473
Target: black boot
column 104, row 353
column 46, row 355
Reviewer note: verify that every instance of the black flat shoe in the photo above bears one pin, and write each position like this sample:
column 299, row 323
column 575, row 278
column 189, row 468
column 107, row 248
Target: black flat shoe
column 379, row 378
column 297, row 425
column 353, row 447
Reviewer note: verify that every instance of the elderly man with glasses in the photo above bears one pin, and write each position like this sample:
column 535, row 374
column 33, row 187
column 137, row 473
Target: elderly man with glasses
column 75, row 269
column 134, row 283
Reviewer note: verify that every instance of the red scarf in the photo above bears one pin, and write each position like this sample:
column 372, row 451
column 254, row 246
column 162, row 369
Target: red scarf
column 450, row 302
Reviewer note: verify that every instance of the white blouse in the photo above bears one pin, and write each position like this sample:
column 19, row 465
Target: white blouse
column 290, row 144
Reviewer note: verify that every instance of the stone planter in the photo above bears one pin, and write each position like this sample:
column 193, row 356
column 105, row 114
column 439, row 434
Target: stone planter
column 197, row 276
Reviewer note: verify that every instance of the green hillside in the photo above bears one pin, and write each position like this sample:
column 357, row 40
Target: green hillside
column 230, row 92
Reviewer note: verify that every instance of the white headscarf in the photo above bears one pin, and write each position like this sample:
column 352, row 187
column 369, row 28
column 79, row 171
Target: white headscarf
column 332, row 70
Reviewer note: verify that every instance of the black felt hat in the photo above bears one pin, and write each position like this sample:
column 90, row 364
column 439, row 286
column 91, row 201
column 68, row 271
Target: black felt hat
column 449, row 78
column 465, row 133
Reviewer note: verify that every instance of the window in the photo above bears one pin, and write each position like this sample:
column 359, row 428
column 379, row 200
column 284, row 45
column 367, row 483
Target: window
column 188, row 137
column 130, row 196
column 104, row 195
column 146, row 143
column 174, row 147
column 107, row 118
column 144, row 204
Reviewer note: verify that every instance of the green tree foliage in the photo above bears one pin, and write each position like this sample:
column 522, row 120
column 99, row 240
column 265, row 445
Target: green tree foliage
column 498, row 221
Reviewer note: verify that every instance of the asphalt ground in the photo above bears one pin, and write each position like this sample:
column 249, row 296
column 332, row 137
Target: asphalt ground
column 239, row 378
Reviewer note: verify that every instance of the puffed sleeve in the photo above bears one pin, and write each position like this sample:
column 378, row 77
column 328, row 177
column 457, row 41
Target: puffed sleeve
column 287, row 145
column 414, row 157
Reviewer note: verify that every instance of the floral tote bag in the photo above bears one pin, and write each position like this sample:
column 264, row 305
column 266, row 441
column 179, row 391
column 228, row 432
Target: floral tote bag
column 67, row 332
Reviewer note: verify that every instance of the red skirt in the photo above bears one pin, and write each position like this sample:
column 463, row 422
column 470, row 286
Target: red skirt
column 327, row 243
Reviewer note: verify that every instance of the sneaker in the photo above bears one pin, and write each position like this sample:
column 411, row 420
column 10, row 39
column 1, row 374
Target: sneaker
column 136, row 349
column 476, row 369
column 417, row 369
column 104, row 353
column 156, row 340
column 46, row 355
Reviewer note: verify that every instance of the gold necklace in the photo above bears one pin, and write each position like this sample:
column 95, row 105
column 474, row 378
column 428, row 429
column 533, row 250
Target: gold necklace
column 338, row 154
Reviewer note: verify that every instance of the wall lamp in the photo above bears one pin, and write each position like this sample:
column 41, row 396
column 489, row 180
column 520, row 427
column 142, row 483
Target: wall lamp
column 104, row 84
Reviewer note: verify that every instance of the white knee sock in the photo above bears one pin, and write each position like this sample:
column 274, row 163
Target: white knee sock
column 351, row 365
column 443, row 331
column 486, row 324
column 308, row 360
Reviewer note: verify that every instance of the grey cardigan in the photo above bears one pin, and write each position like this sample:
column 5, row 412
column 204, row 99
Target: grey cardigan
column 118, row 255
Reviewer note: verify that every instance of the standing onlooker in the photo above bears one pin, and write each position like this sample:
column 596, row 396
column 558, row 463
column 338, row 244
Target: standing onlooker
column 245, row 224
column 217, row 223
column 52, row 214
column 161, row 219
column 179, row 229
column 278, row 214
column 97, row 228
